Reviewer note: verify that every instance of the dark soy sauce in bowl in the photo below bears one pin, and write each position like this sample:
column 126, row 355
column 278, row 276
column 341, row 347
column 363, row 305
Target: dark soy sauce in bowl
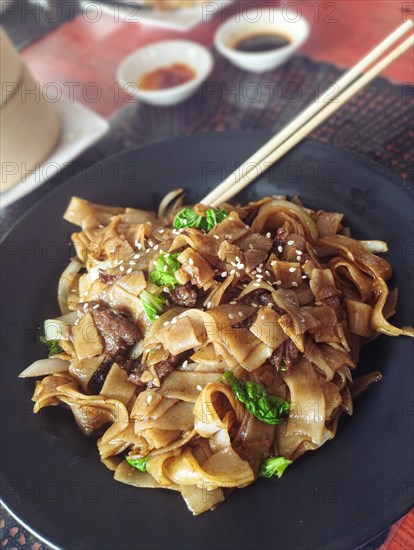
column 261, row 42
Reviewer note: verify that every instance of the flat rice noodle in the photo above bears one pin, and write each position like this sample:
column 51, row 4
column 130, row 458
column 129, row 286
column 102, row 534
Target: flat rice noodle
column 208, row 411
column 118, row 298
column 146, row 402
column 143, row 480
column 325, row 316
column 153, row 329
column 378, row 321
column 186, row 385
column 347, row 404
column 185, row 334
column 331, row 395
column 254, row 440
column 223, row 469
column 231, row 228
column 117, row 386
column 256, row 248
column 88, row 214
column 307, row 413
column 356, row 253
column 133, row 282
column 86, row 338
column 178, row 417
column 246, row 348
column 351, row 280
column 158, row 438
column 273, row 215
column 216, row 293
column 46, row 391
column 328, row 223
column 200, row 500
column 292, row 445
column 266, row 328
column 359, row 318
column 282, row 272
column 195, row 268
column 363, row 382
column 83, row 370
column 228, row 252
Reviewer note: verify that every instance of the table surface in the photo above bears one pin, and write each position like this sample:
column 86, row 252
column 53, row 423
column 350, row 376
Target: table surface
column 81, row 52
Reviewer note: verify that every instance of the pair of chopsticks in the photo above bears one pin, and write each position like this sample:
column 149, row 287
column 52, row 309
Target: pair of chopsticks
column 311, row 117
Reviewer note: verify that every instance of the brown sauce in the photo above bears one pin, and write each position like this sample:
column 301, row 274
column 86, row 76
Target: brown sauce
column 262, row 42
column 166, row 77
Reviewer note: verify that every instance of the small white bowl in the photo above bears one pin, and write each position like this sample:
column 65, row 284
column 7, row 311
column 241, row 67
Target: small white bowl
column 257, row 21
column 159, row 55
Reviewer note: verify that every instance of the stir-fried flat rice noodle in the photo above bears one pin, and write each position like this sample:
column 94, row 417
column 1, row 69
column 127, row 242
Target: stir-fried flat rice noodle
column 209, row 344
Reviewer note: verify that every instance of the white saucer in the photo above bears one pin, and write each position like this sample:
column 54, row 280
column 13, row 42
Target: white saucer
column 81, row 127
column 178, row 20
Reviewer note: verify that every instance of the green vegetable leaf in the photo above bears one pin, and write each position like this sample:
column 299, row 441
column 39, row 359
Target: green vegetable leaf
column 53, row 346
column 153, row 304
column 274, row 466
column 163, row 272
column 267, row 408
column 188, row 218
column 138, row 463
column 214, row 217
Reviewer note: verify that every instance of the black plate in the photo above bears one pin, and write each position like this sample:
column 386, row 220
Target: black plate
column 338, row 497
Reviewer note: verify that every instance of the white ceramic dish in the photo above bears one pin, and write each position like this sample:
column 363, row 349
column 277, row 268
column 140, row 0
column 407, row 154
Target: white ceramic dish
column 81, row 127
column 178, row 20
column 257, row 21
column 163, row 54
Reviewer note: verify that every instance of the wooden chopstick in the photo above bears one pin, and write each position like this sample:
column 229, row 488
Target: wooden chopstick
column 269, row 153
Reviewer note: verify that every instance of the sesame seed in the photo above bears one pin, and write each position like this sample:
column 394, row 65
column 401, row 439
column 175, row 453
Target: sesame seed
column 267, row 273
column 150, row 243
column 255, row 305
column 246, row 227
column 290, row 243
column 280, row 249
column 131, row 262
column 240, row 266
column 298, row 258
column 166, row 323
column 224, row 274
column 258, row 277
column 270, row 304
column 278, row 282
column 268, row 234
column 184, row 364
column 259, row 269
column 240, row 314
column 167, row 255
column 238, row 260
column 199, row 387
column 122, row 268
column 232, row 272
column 273, row 262
column 244, row 285
column 237, row 274
column 149, row 398
column 260, row 265
column 191, row 261
column 209, row 304
column 256, row 284
column 156, row 247
column 217, row 237
column 173, row 320
column 304, row 276
column 292, row 269
column 95, row 306
column 233, row 302
column 154, row 262
column 251, row 246
column 136, row 256
column 299, row 252
column 161, row 231
column 165, row 268
column 129, row 270
column 294, row 283
column 166, row 289
column 230, row 316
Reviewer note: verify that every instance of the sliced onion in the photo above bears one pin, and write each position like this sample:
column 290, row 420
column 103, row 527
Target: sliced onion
column 65, row 283
column 374, row 246
column 59, row 329
column 42, row 367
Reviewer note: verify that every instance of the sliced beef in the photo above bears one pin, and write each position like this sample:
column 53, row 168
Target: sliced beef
column 118, row 332
column 184, row 295
column 136, row 369
column 107, row 278
column 287, row 354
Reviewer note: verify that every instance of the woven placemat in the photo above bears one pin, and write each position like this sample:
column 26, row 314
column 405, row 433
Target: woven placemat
column 378, row 123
